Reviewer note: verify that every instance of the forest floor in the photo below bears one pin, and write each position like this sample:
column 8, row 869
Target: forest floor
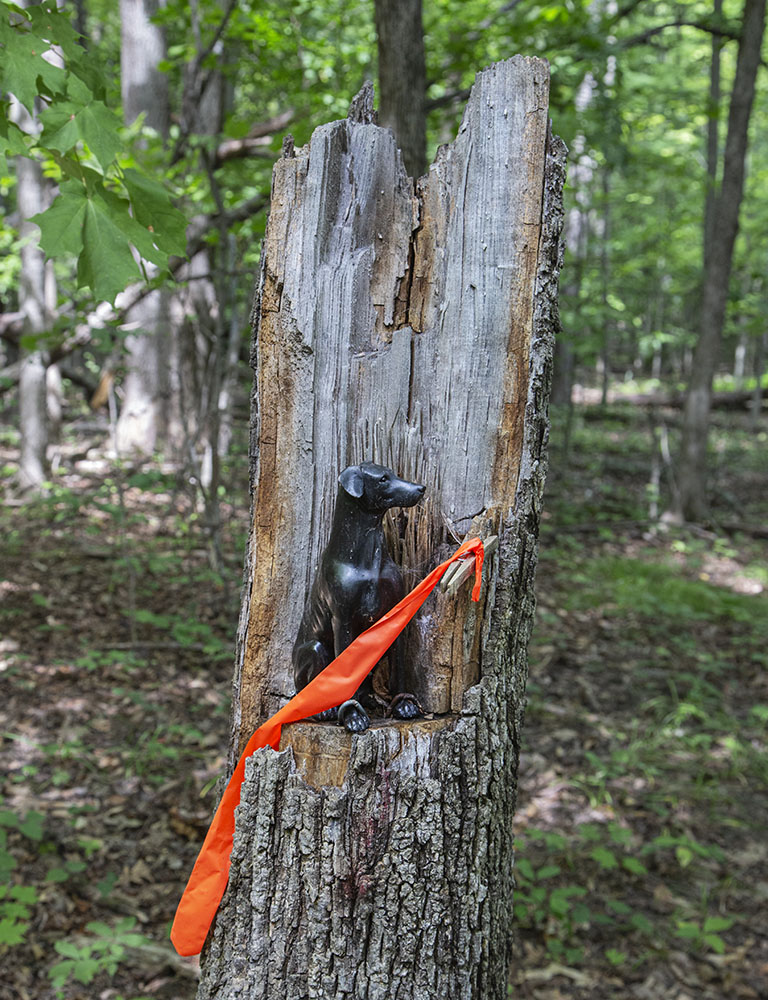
column 642, row 860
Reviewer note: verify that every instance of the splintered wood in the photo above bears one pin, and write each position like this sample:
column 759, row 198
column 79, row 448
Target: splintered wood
column 393, row 325
column 412, row 325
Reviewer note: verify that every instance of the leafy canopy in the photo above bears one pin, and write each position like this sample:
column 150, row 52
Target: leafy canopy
column 105, row 214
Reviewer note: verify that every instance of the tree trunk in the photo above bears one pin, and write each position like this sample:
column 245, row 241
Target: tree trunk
column 692, row 476
column 33, row 419
column 756, row 403
column 605, row 277
column 143, row 86
column 143, row 420
column 417, row 332
column 403, row 78
column 145, row 412
column 713, row 138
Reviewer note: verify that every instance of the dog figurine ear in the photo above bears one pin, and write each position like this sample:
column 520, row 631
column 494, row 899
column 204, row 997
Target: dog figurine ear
column 351, row 480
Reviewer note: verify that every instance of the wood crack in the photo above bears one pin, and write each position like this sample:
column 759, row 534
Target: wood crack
column 388, row 874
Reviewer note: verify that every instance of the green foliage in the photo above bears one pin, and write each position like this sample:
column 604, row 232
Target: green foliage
column 633, row 114
column 185, row 632
column 548, row 900
column 654, row 684
column 104, row 206
column 703, row 935
column 16, row 901
column 83, row 960
column 61, row 873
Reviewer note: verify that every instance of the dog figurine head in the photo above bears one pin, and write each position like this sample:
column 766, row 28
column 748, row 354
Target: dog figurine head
column 376, row 488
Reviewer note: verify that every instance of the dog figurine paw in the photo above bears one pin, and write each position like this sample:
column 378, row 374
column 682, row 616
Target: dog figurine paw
column 353, row 716
column 405, row 706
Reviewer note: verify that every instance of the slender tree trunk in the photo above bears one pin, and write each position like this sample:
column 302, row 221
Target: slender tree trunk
column 33, row 421
column 214, row 307
column 605, row 274
column 403, row 78
column 144, row 87
column 144, row 416
column 580, row 175
column 740, row 358
column 37, row 302
column 713, row 140
column 693, row 457
column 756, row 403
column 417, row 333
column 141, row 426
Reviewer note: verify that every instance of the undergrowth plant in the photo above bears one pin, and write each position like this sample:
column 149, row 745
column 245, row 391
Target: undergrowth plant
column 16, row 900
column 102, row 950
column 598, row 878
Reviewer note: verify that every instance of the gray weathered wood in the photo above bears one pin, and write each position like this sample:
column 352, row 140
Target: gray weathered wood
column 413, row 327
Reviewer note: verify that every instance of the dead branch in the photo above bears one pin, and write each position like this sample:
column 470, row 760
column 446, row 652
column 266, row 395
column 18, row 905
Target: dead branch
column 645, row 36
column 733, row 399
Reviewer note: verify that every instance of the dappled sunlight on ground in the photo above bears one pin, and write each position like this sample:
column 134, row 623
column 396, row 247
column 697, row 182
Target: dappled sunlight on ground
column 643, row 800
column 642, row 865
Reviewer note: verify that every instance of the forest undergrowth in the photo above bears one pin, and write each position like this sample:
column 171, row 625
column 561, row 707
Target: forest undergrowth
column 642, row 858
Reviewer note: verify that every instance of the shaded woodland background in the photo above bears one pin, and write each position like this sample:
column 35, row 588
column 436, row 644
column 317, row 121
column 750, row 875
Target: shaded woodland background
column 642, row 864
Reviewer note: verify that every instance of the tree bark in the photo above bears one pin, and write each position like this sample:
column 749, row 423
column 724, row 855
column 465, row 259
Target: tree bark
column 713, row 138
column 403, row 78
column 143, row 86
column 692, row 476
column 145, row 413
column 418, row 332
column 33, row 419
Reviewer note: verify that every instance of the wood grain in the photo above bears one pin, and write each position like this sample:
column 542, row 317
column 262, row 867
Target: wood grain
column 392, row 326
column 414, row 326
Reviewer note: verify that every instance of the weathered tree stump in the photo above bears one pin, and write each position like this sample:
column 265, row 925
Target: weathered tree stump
column 415, row 329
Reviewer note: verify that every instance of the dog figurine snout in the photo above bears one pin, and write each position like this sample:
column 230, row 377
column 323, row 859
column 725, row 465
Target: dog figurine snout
column 356, row 583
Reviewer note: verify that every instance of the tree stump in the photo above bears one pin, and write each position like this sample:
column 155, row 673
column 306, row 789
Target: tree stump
column 412, row 326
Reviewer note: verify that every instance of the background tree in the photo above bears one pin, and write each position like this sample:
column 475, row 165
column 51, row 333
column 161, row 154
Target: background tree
column 631, row 292
column 402, row 78
column 721, row 237
column 145, row 413
column 112, row 617
column 35, row 307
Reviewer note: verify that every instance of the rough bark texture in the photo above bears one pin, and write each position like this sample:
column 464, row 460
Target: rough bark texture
column 692, row 479
column 403, row 78
column 417, row 331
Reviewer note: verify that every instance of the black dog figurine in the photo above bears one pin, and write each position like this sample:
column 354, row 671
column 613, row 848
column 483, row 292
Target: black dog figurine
column 356, row 583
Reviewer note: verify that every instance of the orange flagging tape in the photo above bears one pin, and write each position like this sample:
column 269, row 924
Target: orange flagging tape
column 334, row 685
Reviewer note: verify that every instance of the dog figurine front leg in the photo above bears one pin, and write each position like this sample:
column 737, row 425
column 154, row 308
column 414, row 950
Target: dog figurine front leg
column 351, row 713
column 403, row 704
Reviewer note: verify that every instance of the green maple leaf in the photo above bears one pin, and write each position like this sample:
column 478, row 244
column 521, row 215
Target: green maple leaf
column 67, row 122
column 60, row 131
column 106, row 264
column 118, row 211
column 94, row 224
column 22, row 64
column 153, row 209
column 61, row 225
column 56, row 27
